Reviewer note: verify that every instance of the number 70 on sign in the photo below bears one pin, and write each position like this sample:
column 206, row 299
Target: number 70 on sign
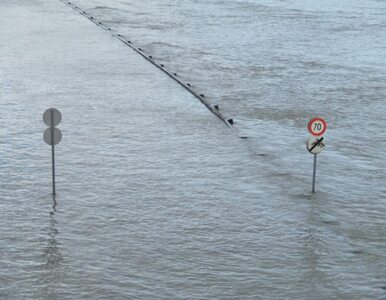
column 317, row 126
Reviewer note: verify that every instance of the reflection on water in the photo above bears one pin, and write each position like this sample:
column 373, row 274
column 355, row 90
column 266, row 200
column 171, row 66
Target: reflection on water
column 53, row 256
column 52, row 250
column 157, row 199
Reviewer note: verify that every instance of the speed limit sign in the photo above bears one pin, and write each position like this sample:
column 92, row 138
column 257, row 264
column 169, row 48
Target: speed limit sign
column 317, row 126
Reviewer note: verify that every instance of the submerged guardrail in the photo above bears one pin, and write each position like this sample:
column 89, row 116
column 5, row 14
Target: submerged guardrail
column 213, row 109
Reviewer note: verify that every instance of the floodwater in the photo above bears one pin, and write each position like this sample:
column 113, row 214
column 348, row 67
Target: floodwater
column 157, row 199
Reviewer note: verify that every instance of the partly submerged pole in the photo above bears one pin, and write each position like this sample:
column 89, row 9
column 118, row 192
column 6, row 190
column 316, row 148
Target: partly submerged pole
column 314, row 175
column 53, row 152
column 315, row 144
column 53, row 166
column 52, row 136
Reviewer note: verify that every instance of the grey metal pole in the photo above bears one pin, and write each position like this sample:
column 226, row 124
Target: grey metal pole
column 53, row 153
column 314, row 175
column 53, row 161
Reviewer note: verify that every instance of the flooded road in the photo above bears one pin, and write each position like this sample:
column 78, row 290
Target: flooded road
column 157, row 198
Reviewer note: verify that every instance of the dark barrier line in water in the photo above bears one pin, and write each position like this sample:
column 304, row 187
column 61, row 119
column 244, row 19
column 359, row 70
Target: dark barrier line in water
column 213, row 109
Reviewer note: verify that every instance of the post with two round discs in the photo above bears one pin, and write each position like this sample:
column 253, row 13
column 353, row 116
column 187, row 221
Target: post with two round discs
column 316, row 144
column 52, row 136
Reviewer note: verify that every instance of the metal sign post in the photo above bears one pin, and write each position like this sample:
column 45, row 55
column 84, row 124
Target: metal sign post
column 316, row 143
column 52, row 136
column 53, row 161
column 314, row 175
column 315, row 146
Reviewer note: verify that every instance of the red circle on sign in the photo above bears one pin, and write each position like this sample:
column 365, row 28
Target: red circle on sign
column 317, row 126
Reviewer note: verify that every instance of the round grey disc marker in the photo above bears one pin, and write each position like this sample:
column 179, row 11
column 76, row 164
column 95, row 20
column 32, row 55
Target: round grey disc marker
column 48, row 135
column 52, row 117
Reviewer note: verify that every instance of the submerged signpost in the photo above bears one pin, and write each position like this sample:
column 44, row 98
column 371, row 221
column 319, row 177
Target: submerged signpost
column 315, row 144
column 52, row 136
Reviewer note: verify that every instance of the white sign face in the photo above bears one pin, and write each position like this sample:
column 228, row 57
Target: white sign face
column 317, row 126
column 52, row 117
column 315, row 145
column 54, row 134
